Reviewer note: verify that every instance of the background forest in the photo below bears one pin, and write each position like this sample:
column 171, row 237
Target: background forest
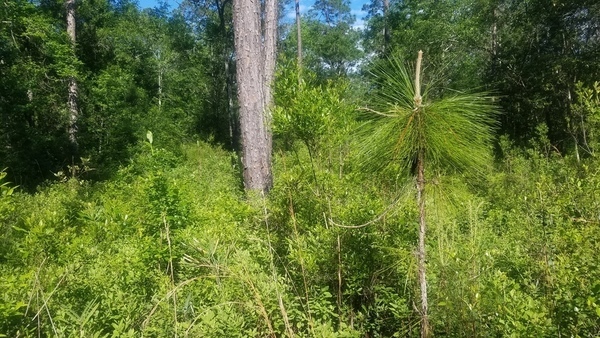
column 122, row 206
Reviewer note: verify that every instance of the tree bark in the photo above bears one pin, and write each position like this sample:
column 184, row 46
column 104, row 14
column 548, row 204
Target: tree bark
column 255, row 53
column 425, row 329
column 73, row 88
column 386, row 26
column 270, row 57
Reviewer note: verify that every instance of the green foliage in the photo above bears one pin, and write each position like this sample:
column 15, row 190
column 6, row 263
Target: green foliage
column 584, row 120
column 531, row 53
column 331, row 50
column 35, row 58
column 453, row 131
column 454, row 35
column 537, row 77
column 318, row 115
column 330, row 44
column 168, row 244
column 515, row 257
column 135, row 71
column 114, row 244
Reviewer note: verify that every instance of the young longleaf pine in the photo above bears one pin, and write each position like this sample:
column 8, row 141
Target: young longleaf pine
column 412, row 132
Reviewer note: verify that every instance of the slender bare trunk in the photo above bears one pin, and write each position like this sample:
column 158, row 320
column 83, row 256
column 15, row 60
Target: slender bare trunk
column 73, row 88
column 339, row 276
column 418, row 98
column 230, row 107
column 584, row 135
column 229, row 76
column 571, row 125
column 299, row 34
column 73, row 112
column 425, row 330
column 422, row 259
column 160, row 87
column 386, row 26
column 70, row 7
column 494, row 44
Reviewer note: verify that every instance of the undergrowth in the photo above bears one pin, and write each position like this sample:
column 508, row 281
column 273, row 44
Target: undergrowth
column 171, row 246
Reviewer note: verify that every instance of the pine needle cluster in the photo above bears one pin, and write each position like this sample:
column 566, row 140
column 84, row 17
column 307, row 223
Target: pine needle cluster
column 453, row 129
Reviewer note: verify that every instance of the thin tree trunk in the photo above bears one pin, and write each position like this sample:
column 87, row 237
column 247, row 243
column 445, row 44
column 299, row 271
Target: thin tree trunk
column 73, row 88
column 299, row 33
column 270, row 56
column 339, row 276
column 425, row 329
column 230, row 108
column 160, row 86
column 386, row 26
column 229, row 76
column 73, row 112
column 494, row 42
column 418, row 98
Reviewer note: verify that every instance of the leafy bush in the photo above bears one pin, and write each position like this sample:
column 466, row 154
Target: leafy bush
column 171, row 245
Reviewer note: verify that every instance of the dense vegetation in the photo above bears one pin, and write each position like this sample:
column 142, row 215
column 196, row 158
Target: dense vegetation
column 145, row 228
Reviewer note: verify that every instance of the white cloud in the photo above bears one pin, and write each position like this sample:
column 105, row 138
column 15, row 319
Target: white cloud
column 359, row 24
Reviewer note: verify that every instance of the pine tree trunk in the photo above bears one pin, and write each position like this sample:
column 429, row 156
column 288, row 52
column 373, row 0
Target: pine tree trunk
column 255, row 70
column 73, row 88
column 270, row 58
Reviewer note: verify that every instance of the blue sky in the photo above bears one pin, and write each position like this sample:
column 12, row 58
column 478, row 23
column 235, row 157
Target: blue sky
column 355, row 5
